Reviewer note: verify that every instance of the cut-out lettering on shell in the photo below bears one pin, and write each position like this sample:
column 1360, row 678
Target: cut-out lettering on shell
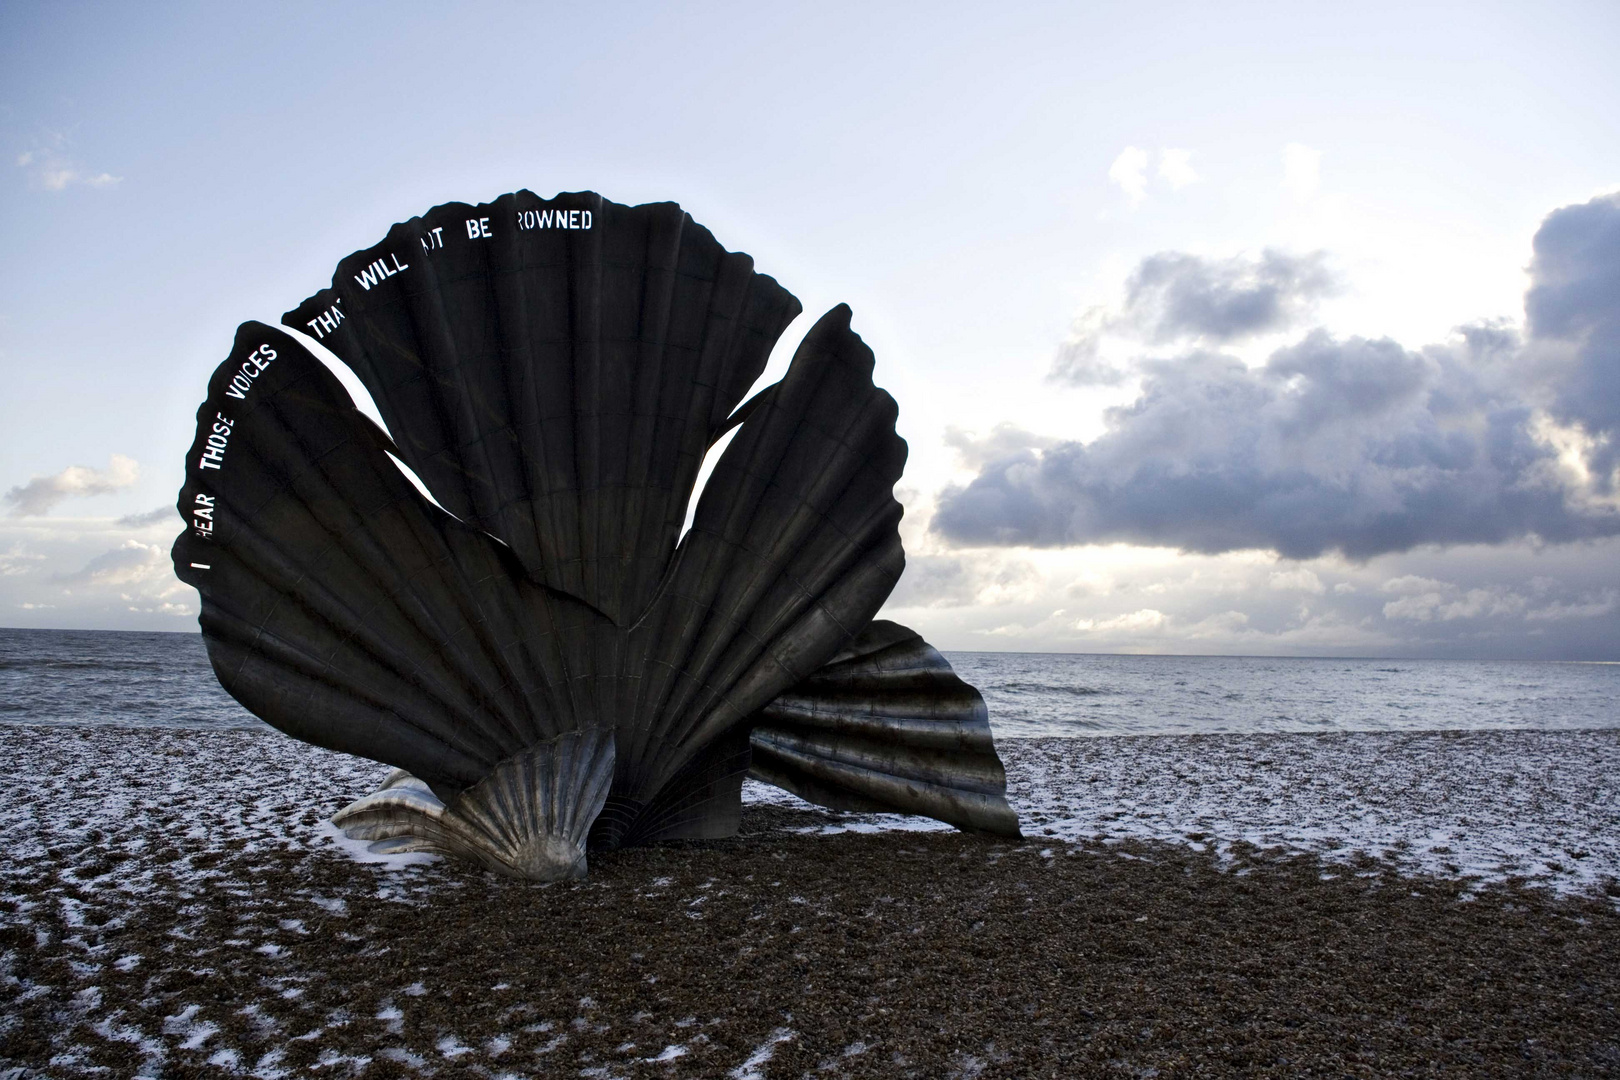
column 549, row 664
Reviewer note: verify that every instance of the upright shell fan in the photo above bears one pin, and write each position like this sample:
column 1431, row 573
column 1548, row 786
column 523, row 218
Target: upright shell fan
column 550, row 666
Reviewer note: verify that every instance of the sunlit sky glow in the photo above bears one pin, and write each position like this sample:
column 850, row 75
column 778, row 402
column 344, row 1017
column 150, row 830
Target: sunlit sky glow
column 1252, row 230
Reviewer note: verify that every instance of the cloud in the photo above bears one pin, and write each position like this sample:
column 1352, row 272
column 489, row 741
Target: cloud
column 1446, row 602
column 949, row 581
column 1004, row 439
column 1175, row 168
column 17, row 560
column 934, row 581
column 1175, row 298
column 1298, row 579
column 1129, row 171
column 1172, row 296
column 66, row 572
column 1574, row 305
column 49, row 167
column 1552, row 601
column 1302, row 170
column 1427, row 600
column 1145, row 619
column 1225, row 624
column 1080, row 361
column 42, row 493
column 1408, row 584
column 151, row 517
column 1351, row 445
column 133, row 563
column 1591, row 606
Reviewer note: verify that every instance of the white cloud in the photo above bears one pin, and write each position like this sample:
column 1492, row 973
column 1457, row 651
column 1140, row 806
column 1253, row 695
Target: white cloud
column 50, row 168
column 1136, row 621
column 1175, row 168
column 1440, row 601
column 133, row 563
column 1302, row 170
column 42, row 493
column 17, row 560
column 89, row 571
column 1089, row 583
column 985, row 580
column 1591, row 606
column 1226, row 624
column 1419, row 607
column 1129, row 171
column 1299, row 579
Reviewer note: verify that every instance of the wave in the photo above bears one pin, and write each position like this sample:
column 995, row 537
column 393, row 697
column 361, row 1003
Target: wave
column 82, row 665
column 1046, row 688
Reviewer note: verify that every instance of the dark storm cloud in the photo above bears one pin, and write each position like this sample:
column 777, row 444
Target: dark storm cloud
column 1352, row 445
column 1333, row 445
column 1175, row 297
column 1574, row 301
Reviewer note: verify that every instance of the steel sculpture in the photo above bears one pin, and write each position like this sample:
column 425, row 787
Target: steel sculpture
column 549, row 664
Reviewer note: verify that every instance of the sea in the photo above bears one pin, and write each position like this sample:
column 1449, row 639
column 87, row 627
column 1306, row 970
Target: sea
column 125, row 678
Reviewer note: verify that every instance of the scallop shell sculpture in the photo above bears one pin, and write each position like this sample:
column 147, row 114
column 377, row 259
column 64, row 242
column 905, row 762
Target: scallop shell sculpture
column 549, row 665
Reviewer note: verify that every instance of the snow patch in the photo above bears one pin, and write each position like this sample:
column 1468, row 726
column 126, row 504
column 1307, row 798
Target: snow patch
column 751, row 1069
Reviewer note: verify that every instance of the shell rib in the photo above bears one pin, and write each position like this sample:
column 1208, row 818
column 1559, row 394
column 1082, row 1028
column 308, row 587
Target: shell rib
column 343, row 608
column 887, row 726
column 794, row 547
column 528, row 818
column 557, row 387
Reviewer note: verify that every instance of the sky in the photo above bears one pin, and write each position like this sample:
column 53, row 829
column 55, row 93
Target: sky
column 1236, row 329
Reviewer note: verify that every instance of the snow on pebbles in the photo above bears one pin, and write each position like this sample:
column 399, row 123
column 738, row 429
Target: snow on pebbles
column 1532, row 807
column 227, row 834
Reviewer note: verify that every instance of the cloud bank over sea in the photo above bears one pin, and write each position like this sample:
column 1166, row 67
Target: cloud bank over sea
column 1468, row 485
column 1357, row 446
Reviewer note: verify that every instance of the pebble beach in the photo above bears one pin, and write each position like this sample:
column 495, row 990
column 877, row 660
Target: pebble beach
column 175, row 904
